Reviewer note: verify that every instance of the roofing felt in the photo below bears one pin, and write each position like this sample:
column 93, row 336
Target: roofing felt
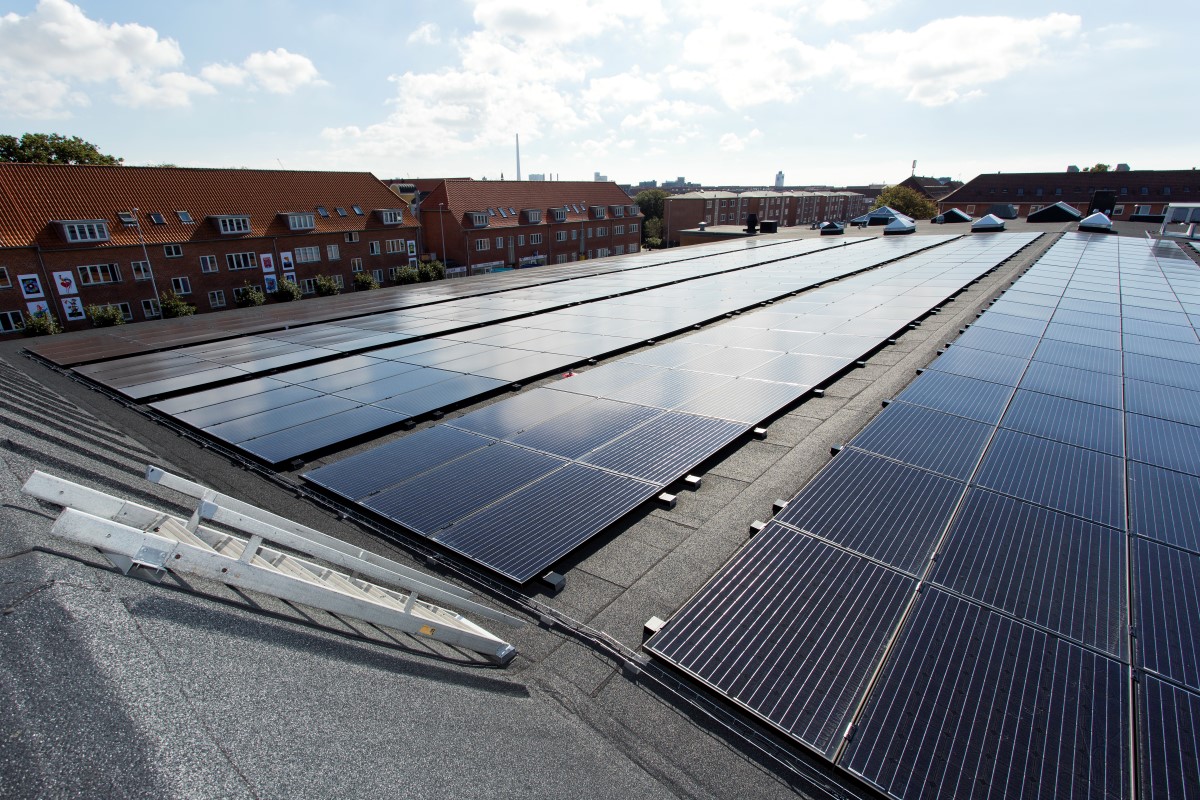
column 34, row 195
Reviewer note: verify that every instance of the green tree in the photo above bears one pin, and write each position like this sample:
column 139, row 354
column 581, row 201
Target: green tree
column 326, row 287
column 906, row 201
column 407, row 275
column 365, row 281
column 172, row 305
column 652, row 232
column 1097, row 168
column 42, row 324
column 104, row 316
column 431, row 271
column 249, row 297
column 651, row 202
column 52, row 148
column 287, row 291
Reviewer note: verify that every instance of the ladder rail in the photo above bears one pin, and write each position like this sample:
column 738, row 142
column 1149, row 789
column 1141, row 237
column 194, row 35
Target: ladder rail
column 160, row 552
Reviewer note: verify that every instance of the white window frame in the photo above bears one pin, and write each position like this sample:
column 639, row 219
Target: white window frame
column 339, row 281
column 560, row 236
column 483, row 243
column 209, row 264
column 308, row 285
column 125, row 309
column 151, row 309
column 181, row 285
column 141, row 270
column 391, row 216
column 11, row 321
column 238, row 291
column 85, row 230
column 373, row 248
column 520, row 240
column 535, row 238
column 300, row 222
column 377, row 274
column 229, row 226
column 633, row 227
column 173, row 250
column 333, row 252
column 351, row 237
column 499, row 242
column 216, row 298
column 307, row 255
column 239, row 261
column 394, row 246
column 99, row 274
column 356, row 265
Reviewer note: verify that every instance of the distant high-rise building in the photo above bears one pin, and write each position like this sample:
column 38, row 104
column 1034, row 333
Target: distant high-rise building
column 779, row 179
column 647, row 185
column 537, row 176
column 599, row 178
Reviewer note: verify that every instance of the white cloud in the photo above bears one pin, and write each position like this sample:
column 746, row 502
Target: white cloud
column 224, row 74
column 831, row 12
column 280, row 71
column 425, row 34
column 561, row 23
column 732, row 143
column 1123, row 36
column 948, row 60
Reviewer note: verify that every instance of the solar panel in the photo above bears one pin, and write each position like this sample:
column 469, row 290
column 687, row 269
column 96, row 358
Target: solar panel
column 584, row 428
column 1067, row 421
column 1169, row 740
column 953, row 394
column 1163, row 371
column 924, row 438
column 980, row 365
column 1167, row 602
column 1164, row 505
column 974, row 704
column 665, row 447
column 453, row 390
column 1163, row 443
column 791, row 629
column 320, row 433
column 1164, row 402
column 1074, row 384
column 743, row 400
column 997, row 341
column 1049, row 569
column 1069, row 354
column 278, row 418
column 519, row 413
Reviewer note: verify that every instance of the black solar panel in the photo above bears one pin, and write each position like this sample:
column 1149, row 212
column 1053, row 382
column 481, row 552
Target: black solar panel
column 308, row 437
column 1169, row 740
column 279, row 418
column 1093, row 337
column 743, row 400
column 1080, row 356
column 997, row 341
column 1074, row 384
column 1163, row 371
column 800, row 369
column 665, row 447
column 890, row 512
column 981, row 365
column 584, row 428
column 1043, row 567
column 1167, row 603
column 519, row 412
column 1164, row 505
column 1067, row 421
column 924, row 438
column 791, row 629
column 452, row 390
column 973, row 704
column 526, row 532
column 954, row 394
column 205, row 416
column 1163, row 443
column 1164, row 402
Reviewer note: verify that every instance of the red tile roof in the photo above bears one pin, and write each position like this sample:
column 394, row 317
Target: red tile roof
column 462, row 197
column 33, row 196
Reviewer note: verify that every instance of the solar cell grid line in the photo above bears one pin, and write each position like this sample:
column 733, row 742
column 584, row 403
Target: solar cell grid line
column 824, row 609
column 1067, row 421
column 953, row 394
column 1008, row 711
column 1164, row 505
column 1168, row 740
column 922, row 437
column 1167, row 606
column 1163, row 443
column 1054, row 571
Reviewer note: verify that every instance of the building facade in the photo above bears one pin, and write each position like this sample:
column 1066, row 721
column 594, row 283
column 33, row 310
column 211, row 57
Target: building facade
column 78, row 236
column 1134, row 193
column 686, row 211
column 477, row 227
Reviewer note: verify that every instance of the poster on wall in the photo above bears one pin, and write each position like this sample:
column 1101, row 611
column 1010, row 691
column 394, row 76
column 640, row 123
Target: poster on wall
column 270, row 284
column 290, row 277
column 65, row 283
column 31, row 286
column 412, row 248
column 268, row 262
column 73, row 309
column 285, row 260
column 38, row 307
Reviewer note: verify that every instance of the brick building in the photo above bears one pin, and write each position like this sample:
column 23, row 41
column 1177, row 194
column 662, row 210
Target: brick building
column 933, row 188
column 75, row 236
column 1134, row 193
column 476, row 227
column 686, row 211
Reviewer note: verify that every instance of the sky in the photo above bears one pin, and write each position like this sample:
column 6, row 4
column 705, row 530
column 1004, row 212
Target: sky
column 833, row 92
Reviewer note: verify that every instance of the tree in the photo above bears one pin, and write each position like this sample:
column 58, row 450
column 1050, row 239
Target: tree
column 52, row 148
column 365, row 281
column 249, row 296
column 326, row 287
column 652, row 232
column 104, row 316
column 906, row 201
column 42, row 323
column 651, row 202
column 287, row 291
column 1097, row 168
column 431, row 271
column 172, row 305
column 406, row 275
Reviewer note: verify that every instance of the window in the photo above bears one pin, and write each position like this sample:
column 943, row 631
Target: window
column 127, row 218
column 618, row 249
column 618, row 211
column 235, row 261
column 535, row 238
column 483, row 244
column 1020, row 192
column 600, row 212
column 301, row 222
column 185, row 218
column 181, row 285
column 1124, row 190
column 633, row 248
column 208, row 263
column 141, row 270
column 560, row 214
column 1118, row 210
column 228, row 225
column 374, row 248
column 351, row 237
column 377, row 274
column 323, row 212
column 157, row 218
column 970, row 209
column 395, row 245
column 391, row 216
column 499, row 242
column 602, row 230
column 1058, row 192
column 491, row 212
column 11, row 321
column 96, row 274
column 619, row 230
column 216, row 298
column 1034, row 208
column 339, row 281
column 479, row 219
column 591, row 232
column 238, row 291
column 341, row 212
column 560, row 236
column 332, row 252
column 504, row 213
column 1038, row 191
column 150, row 309
column 5, row 281
column 633, row 227
column 356, row 265
column 1166, row 190
column 308, row 286
column 574, row 234
column 357, row 210
column 307, row 255
column 533, row 216
column 173, row 250
column 1141, row 210
column 93, row 230
column 1144, row 190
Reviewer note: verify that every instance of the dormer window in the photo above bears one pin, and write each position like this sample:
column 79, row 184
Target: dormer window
column 559, row 214
column 479, row 219
column 633, row 211
column 599, row 212
column 232, row 224
column 301, row 222
column 391, row 216
column 532, row 215
column 84, row 230
column 618, row 211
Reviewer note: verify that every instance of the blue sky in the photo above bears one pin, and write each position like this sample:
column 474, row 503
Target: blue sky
column 829, row 91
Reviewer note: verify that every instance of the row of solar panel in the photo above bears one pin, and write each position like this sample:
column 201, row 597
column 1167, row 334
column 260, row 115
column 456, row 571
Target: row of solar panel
column 296, row 412
column 159, row 373
column 1032, row 561
column 547, row 470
